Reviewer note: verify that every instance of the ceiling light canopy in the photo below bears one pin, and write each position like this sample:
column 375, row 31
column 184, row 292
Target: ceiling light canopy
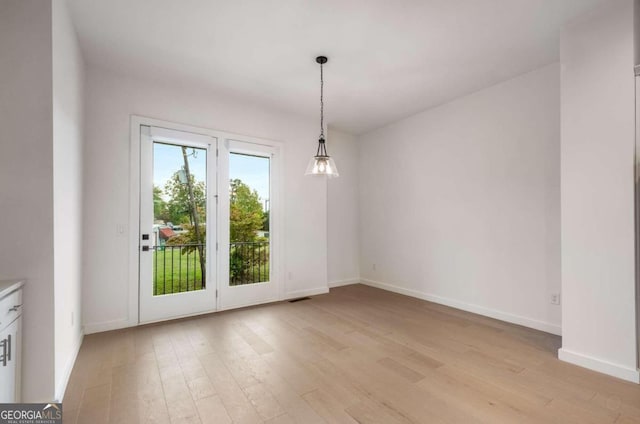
column 322, row 164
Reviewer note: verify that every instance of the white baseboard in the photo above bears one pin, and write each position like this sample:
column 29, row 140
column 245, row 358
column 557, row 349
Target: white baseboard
column 303, row 293
column 99, row 327
column 599, row 365
column 347, row 282
column 62, row 384
column 476, row 309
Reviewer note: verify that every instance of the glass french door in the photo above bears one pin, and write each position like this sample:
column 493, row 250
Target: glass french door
column 177, row 224
column 247, row 240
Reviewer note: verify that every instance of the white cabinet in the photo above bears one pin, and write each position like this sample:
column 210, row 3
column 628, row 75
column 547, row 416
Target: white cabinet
column 9, row 360
column 10, row 340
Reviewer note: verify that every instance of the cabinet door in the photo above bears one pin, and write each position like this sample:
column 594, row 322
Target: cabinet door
column 9, row 354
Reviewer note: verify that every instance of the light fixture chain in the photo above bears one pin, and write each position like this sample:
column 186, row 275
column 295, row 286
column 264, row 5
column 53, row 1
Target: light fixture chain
column 321, row 102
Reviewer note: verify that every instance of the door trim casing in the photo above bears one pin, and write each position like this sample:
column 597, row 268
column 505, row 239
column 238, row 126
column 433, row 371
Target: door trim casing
column 133, row 231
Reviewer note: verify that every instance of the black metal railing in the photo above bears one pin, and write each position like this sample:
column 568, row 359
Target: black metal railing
column 248, row 262
column 178, row 268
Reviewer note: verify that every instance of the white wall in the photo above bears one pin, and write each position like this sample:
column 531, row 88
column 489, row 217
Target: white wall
column 598, row 261
column 460, row 204
column 68, row 80
column 26, row 190
column 110, row 101
column 343, row 211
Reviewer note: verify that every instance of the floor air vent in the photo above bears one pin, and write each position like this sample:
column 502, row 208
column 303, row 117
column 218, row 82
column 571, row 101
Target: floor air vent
column 299, row 299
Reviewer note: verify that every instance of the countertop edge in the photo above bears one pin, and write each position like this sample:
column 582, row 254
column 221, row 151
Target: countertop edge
column 9, row 286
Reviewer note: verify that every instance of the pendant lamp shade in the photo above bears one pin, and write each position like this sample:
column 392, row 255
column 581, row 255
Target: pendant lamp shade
column 321, row 163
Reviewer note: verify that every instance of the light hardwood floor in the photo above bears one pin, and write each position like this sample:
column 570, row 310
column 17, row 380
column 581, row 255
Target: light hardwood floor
column 358, row 354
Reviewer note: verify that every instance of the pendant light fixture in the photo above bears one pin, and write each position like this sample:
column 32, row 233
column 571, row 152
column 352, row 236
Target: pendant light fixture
column 322, row 163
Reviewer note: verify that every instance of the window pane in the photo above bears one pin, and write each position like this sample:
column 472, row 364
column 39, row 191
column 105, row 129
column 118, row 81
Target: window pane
column 180, row 218
column 249, row 185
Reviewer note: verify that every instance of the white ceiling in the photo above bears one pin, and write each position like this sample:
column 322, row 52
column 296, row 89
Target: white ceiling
column 387, row 59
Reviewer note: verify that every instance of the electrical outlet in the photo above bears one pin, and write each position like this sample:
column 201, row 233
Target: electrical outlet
column 555, row 298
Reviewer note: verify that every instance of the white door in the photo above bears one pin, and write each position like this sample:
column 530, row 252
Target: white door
column 249, row 206
column 177, row 224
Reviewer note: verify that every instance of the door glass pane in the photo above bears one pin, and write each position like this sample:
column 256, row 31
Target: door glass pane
column 249, row 257
column 180, row 218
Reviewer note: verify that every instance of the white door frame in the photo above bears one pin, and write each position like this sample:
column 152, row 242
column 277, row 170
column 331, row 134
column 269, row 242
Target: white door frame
column 134, row 204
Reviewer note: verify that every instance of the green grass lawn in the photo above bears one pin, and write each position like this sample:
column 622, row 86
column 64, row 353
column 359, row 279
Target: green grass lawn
column 175, row 272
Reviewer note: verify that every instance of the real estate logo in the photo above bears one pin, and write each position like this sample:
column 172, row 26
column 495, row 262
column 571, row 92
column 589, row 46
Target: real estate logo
column 30, row 413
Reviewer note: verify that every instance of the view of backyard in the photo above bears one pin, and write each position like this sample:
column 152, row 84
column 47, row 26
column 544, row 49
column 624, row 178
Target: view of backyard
column 180, row 221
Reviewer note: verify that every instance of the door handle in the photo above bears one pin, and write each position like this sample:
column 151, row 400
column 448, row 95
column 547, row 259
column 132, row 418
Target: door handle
column 15, row 308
